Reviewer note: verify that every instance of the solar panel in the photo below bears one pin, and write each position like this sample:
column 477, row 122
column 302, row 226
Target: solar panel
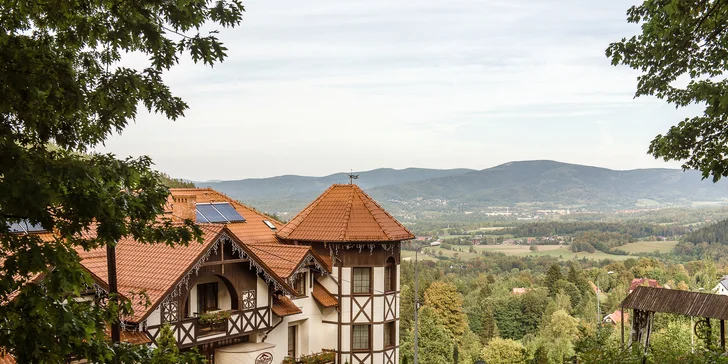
column 34, row 228
column 25, row 227
column 200, row 217
column 269, row 224
column 228, row 211
column 210, row 213
column 16, row 228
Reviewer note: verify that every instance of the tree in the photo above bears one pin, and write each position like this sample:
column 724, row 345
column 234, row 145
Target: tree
column 552, row 276
column 683, row 39
column 435, row 342
column 64, row 92
column 504, row 351
column 559, row 335
column 447, row 303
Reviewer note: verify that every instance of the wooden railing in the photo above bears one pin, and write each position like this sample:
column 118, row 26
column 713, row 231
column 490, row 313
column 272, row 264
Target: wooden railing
column 189, row 332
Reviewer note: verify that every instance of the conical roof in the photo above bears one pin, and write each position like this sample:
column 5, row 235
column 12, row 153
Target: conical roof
column 344, row 213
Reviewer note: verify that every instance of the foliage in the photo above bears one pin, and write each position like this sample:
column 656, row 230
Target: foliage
column 683, row 40
column 170, row 182
column 553, row 276
column 560, row 333
column 447, row 303
column 64, row 92
column 208, row 318
column 435, row 342
column 324, row 357
column 504, row 351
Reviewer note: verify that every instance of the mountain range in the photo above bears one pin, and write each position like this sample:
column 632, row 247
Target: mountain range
column 542, row 184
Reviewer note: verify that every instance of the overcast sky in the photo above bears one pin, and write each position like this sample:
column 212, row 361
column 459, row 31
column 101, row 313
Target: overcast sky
column 316, row 87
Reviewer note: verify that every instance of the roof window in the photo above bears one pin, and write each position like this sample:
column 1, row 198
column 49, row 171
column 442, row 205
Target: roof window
column 269, row 224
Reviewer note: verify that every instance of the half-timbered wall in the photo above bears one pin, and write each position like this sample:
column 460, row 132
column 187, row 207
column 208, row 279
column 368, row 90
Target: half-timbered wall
column 376, row 308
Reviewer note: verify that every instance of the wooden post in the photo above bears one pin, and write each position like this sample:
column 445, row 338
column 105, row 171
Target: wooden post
column 722, row 335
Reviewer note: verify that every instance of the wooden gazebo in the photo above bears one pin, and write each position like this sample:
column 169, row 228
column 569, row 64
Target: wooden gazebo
column 645, row 301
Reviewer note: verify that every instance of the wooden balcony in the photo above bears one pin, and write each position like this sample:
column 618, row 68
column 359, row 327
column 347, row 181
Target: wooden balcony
column 190, row 332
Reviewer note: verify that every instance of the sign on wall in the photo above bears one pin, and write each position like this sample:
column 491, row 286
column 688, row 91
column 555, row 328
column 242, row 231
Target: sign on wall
column 264, row 358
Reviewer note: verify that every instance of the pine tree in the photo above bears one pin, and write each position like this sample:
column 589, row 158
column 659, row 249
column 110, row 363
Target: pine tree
column 552, row 276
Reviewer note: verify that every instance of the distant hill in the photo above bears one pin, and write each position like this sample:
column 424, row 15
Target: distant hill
column 541, row 184
column 301, row 186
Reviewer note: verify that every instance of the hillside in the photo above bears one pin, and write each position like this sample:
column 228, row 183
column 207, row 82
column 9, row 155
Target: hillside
column 299, row 186
column 528, row 184
column 555, row 184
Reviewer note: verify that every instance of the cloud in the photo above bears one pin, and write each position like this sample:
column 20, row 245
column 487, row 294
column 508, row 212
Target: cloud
column 323, row 86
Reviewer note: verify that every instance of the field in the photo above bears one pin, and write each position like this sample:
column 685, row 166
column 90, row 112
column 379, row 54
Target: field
column 562, row 252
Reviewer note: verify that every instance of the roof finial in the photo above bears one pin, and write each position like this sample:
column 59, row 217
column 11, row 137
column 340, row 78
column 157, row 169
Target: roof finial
column 352, row 177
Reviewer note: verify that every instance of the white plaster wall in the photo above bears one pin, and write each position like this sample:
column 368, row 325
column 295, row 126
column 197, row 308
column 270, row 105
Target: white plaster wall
column 378, row 337
column 329, row 283
column 378, row 280
column 346, row 281
column 378, row 309
column 155, row 318
column 398, row 280
column 224, row 300
column 262, row 293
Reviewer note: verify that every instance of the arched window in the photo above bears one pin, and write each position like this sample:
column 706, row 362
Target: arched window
column 390, row 275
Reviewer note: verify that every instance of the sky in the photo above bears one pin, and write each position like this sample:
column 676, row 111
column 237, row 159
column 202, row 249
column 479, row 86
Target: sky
column 322, row 86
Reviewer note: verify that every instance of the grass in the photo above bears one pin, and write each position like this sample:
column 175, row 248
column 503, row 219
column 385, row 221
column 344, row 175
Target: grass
column 561, row 252
column 649, row 246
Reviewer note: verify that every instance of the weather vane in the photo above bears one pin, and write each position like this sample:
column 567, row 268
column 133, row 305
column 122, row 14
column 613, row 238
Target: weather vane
column 352, row 177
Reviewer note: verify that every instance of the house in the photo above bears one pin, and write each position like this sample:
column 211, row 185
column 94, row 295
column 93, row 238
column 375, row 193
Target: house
column 256, row 289
column 643, row 282
column 722, row 287
column 616, row 317
column 519, row 291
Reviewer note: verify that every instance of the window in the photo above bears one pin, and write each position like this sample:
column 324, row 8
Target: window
column 207, row 297
column 360, row 337
column 362, row 280
column 299, row 284
column 390, row 276
column 292, row 341
column 389, row 334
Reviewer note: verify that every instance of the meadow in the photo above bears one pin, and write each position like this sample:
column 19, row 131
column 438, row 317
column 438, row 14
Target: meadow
column 561, row 252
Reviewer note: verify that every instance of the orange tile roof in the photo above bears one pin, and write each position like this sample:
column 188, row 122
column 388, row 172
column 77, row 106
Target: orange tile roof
column 283, row 306
column 6, row 358
column 344, row 213
column 150, row 268
column 323, row 296
column 252, row 231
column 284, row 260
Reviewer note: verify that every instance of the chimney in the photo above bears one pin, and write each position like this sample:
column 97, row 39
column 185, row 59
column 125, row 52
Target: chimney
column 184, row 207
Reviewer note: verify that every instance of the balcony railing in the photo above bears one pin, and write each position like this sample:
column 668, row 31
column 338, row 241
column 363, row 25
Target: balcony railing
column 190, row 331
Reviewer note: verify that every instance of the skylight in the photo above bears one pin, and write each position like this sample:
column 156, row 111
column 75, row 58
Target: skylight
column 269, row 224
column 219, row 212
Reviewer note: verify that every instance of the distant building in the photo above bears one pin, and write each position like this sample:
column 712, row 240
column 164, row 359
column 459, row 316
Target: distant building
column 644, row 282
column 520, row 291
column 615, row 317
column 722, row 287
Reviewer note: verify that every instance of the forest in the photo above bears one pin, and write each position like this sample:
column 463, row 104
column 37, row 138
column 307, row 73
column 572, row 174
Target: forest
column 510, row 309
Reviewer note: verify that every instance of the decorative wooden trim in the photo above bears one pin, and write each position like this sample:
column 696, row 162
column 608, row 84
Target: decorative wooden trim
column 359, row 323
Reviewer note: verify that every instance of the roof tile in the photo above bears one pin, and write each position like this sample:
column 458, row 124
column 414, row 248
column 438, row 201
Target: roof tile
column 283, row 306
column 344, row 213
column 323, row 296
